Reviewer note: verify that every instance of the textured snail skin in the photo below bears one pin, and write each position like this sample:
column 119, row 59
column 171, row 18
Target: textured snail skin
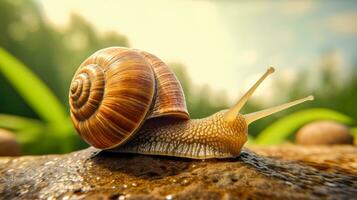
column 210, row 137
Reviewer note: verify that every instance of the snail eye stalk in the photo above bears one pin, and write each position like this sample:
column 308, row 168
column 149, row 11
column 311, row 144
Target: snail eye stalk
column 233, row 112
column 251, row 117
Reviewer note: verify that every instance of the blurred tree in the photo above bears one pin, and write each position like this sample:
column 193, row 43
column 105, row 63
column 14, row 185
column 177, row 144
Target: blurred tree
column 201, row 100
column 80, row 41
column 342, row 99
column 22, row 34
column 53, row 54
column 331, row 91
column 329, row 66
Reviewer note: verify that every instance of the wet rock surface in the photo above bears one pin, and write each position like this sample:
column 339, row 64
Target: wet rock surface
column 281, row 172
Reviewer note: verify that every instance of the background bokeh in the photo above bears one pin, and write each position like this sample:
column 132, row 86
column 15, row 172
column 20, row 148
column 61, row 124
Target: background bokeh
column 217, row 49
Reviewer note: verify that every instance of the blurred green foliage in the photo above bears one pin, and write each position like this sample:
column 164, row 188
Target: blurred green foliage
column 54, row 128
column 37, row 62
column 21, row 78
column 51, row 53
column 37, row 87
column 281, row 129
column 330, row 91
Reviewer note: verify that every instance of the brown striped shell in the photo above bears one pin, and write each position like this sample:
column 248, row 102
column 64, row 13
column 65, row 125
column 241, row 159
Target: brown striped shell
column 116, row 89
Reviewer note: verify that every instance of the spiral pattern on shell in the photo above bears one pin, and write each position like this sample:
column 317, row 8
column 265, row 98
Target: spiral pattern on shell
column 87, row 91
column 112, row 93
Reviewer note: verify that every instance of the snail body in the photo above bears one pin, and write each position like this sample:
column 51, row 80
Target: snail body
column 210, row 137
column 127, row 100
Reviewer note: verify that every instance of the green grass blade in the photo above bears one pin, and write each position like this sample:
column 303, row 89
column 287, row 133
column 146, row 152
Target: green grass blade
column 250, row 141
column 280, row 130
column 31, row 88
column 15, row 123
column 354, row 133
column 26, row 129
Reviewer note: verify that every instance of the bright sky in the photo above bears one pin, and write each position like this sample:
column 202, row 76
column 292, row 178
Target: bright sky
column 225, row 44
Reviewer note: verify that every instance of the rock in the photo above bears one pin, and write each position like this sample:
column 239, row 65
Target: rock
column 8, row 144
column 324, row 133
column 281, row 172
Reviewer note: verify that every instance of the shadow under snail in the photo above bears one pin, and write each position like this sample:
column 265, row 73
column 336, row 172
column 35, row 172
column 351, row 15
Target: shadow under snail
column 127, row 100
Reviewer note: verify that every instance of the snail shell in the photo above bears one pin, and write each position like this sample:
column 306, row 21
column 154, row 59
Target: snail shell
column 116, row 89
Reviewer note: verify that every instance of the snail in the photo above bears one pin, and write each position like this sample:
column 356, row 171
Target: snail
column 128, row 100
